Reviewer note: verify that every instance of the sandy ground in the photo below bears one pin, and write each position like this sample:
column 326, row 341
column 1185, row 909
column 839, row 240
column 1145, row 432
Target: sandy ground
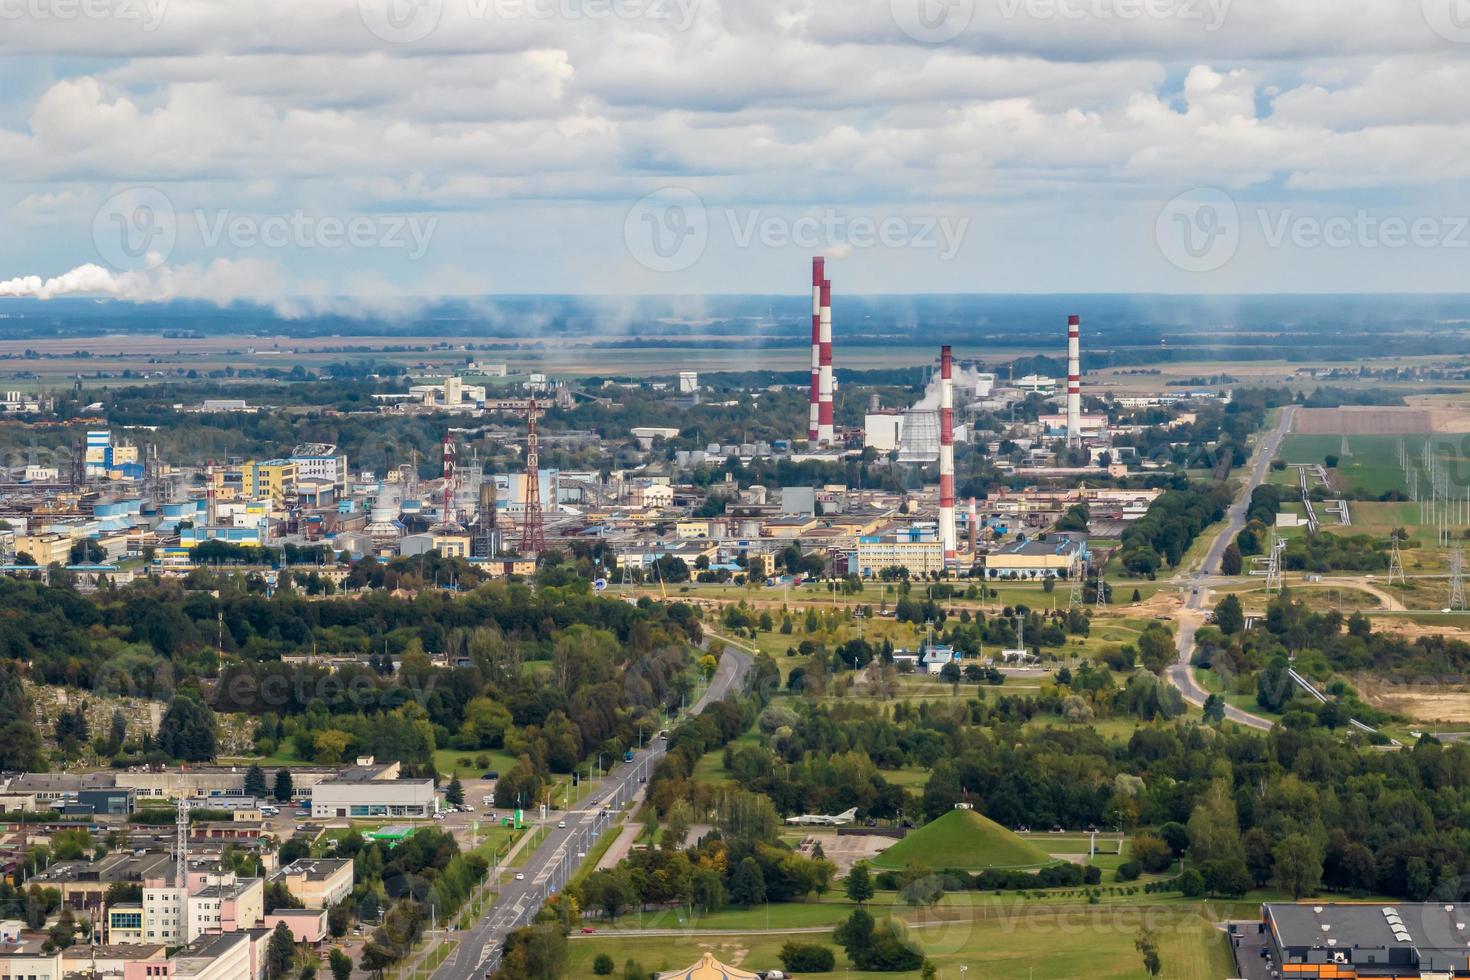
column 845, row 851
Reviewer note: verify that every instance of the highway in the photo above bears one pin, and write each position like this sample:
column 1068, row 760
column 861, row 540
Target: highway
column 1198, row 580
column 525, row 888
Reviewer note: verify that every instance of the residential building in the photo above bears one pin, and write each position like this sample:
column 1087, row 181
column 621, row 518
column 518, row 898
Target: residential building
column 27, row 962
column 318, row 883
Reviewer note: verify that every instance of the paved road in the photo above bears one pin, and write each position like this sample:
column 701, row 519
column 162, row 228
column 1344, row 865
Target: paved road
column 547, row 869
column 1192, row 614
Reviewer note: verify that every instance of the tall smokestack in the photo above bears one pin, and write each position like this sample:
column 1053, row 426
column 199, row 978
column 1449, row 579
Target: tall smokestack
column 1074, row 381
column 824, row 405
column 946, row 456
column 819, row 271
column 974, row 527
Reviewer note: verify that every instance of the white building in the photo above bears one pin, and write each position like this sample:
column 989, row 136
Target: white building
column 688, row 382
column 371, row 789
column 883, row 430
column 27, row 962
column 320, row 461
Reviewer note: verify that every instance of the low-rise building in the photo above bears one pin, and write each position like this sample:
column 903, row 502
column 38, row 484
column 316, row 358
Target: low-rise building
column 1058, row 555
column 371, row 789
column 318, row 883
column 27, row 962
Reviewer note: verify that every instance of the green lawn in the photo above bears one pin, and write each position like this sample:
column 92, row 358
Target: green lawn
column 963, row 839
column 995, row 940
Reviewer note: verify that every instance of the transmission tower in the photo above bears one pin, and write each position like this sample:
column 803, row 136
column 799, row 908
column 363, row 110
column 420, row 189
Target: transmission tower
column 1403, row 459
column 1457, row 578
column 1075, row 586
column 1395, row 561
column 1102, row 591
column 533, row 532
column 1273, row 567
column 1345, row 451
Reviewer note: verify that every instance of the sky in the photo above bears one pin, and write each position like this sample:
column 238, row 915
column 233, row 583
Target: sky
column 330, row 154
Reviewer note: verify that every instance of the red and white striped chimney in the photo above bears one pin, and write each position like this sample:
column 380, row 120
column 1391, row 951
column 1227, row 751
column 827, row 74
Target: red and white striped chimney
column 946, row 456
column 818, row 272
column 974, row 526
column 1074, row 381
column 824, row 405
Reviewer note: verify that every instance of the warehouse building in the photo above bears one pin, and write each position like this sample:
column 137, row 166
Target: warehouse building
column 371, row 789
column 1355, row 942
column 1055, row 555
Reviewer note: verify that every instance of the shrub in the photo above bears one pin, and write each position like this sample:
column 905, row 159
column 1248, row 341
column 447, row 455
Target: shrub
column 1129, row 871
column 807, row 958
column 602, row 965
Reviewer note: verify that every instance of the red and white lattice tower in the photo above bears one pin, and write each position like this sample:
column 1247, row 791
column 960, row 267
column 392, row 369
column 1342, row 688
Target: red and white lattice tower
column 533, row 532
column 448, row 515
column 946, row 456
column 818, row 271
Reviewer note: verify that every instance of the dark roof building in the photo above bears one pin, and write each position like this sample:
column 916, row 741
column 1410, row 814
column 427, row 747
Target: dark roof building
column 1348, row 941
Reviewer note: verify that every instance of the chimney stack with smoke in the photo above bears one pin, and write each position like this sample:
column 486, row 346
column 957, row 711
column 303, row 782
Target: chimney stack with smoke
column 818, row 272
column 946, row 456
column 1074, row 381
column 824, row 406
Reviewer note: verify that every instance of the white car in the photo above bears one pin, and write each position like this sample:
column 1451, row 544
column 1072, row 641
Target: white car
column 438, row 816
column 520, row 876
column 561, row 825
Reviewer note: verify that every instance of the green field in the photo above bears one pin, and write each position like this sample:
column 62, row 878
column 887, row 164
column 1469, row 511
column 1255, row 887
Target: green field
column 963, row 839
column 995, row 940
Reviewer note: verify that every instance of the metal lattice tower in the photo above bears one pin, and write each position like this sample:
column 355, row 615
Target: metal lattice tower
column 1101, row 589
column 1395, row 562
column 1457, row 578
column 1403, row 459
column 181, row 846
column 1273, row 567
column 1075, row 587
column 1346, row 450
column 533, row 532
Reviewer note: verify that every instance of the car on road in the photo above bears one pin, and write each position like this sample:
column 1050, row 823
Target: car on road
column 438, row 816
column 520, row 876
column 492, row 774
column 561, row 825
column 588, row 930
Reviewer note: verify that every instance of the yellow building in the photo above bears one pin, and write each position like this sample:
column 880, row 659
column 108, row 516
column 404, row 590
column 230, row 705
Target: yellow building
column 274, row 478
column 920, row 557
column 46, row 549
column 692, row 527
column 451, row 544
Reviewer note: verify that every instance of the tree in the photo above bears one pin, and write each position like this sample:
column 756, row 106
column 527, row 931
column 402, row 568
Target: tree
column 283, row 790
column 454, row 792
column 1214, row 832
column 187, row 729
column 279, row 952
column 1231, row 561
column 255, row 782
column 1147, row 945
column 1229, row 617
column 748, row 884
column 117, row 733
column 1298, row 864
column 340, row 963
column 807, row 958
column 603, row 965
column 858, row 884
column 1214, row 710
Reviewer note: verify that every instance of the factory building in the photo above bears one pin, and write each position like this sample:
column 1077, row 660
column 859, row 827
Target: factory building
column 919, row 555
column 1057, row 555
column 1361, row 941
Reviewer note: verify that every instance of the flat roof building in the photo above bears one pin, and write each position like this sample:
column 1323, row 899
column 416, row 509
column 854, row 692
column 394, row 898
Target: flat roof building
column 369, row 789
column 1353, row 941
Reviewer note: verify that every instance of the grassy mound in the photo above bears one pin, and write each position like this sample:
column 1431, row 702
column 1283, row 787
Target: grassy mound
column 965, row 840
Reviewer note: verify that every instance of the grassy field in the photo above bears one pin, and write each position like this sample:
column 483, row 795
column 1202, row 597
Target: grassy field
column 993, row 939
column 963, row 839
